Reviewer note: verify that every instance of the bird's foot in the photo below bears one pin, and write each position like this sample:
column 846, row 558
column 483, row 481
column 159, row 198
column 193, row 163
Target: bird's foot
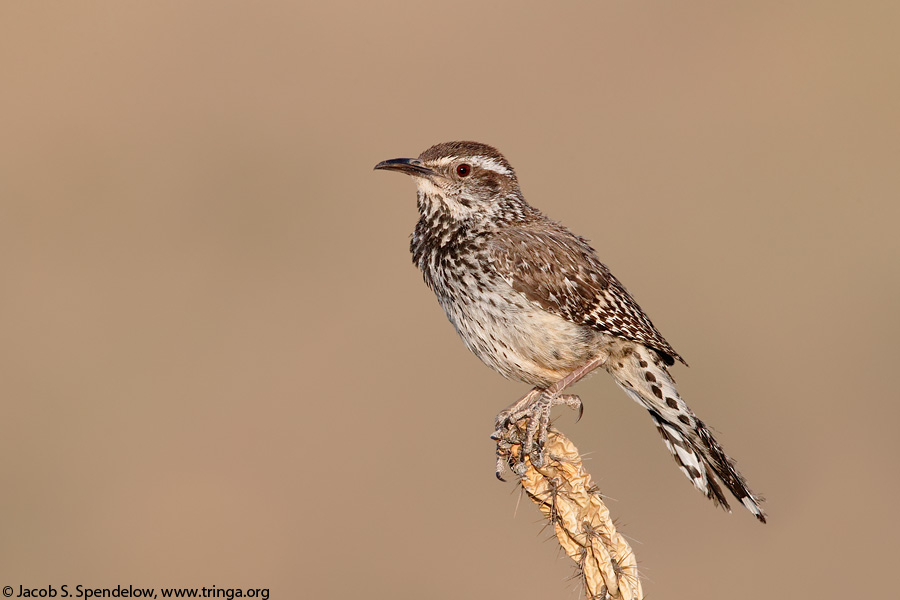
column 533, row 410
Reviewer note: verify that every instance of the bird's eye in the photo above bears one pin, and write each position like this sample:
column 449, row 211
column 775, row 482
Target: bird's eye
column 463, row 170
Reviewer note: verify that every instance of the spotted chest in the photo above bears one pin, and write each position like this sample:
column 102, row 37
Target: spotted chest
column 508, row 332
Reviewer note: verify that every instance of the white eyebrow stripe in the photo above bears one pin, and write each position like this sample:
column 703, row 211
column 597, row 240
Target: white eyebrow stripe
column 491, row 164
column 483, row 162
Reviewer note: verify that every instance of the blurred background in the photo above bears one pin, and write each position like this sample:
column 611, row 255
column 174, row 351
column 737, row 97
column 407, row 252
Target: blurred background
column 219, row 367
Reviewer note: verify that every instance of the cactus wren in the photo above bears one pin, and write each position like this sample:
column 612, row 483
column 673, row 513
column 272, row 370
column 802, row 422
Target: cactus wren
column 533, row 302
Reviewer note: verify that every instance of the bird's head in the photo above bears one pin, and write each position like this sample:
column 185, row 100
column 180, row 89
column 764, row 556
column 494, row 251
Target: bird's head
column 461, row 178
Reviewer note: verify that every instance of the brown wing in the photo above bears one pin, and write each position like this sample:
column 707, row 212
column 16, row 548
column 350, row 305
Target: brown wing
column 561, row 272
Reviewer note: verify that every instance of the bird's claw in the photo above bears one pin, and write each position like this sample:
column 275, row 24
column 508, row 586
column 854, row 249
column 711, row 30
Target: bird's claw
column 534, row 409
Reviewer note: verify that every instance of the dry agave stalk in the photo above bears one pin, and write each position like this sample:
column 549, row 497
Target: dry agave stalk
column 564, row 493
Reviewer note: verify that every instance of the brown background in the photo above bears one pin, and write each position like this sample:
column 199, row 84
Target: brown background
column 218, row 366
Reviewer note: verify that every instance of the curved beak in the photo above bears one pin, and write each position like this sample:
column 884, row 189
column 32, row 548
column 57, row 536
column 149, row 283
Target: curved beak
column 410, row 166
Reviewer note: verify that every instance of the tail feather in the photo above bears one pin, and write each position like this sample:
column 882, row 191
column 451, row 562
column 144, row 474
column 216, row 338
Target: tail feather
column 642, row 373
column 726, row 470
column 689, row 462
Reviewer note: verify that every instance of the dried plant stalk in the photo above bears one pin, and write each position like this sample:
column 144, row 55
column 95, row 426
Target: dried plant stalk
column 563, row 491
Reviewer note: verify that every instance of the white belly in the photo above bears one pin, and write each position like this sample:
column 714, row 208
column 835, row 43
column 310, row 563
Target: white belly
column 515, row 337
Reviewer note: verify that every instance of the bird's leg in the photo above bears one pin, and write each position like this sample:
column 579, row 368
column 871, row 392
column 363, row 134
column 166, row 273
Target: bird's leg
column 536, row 406
column 577, row 375
column 517, row 410
column 570, row 400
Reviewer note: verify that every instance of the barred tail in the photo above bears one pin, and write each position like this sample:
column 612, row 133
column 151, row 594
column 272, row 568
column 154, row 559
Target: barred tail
column 642, row 373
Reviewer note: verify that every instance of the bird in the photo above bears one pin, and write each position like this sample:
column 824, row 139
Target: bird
column 532, row 300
